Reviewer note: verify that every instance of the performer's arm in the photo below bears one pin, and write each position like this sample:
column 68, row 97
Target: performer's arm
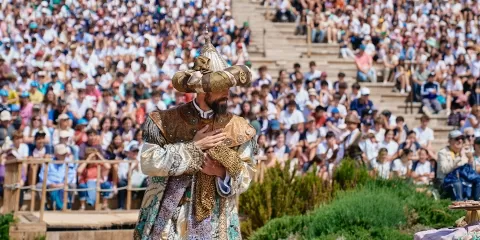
column 160, row 159
column 239, row 184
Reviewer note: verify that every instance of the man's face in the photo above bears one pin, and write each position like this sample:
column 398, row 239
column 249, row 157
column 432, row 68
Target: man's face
column 40, row 142
column 217, row 102
column 291, row 108
column 457, row 143
column 60, row 157
column 424, row 123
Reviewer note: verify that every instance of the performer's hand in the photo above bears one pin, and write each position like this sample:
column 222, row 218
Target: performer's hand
column 206, row 140
column 213, row 168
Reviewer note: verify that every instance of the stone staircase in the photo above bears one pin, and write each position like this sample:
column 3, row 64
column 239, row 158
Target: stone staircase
column 276, row 46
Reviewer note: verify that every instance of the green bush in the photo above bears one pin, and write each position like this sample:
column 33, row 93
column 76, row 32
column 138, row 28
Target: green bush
column 349, row 175
column 5, row 221
column 279, row 195
column 377, row 210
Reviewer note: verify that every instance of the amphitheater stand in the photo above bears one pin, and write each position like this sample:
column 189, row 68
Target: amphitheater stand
column 276, row 46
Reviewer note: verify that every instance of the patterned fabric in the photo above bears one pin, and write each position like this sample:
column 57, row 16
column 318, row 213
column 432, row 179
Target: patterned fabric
column 172, row 166
column 172, row 195
column 205, row 187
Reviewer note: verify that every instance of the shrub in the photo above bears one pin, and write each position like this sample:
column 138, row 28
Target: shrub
column 5, row 221
column 280, row 194
column 378, row 210
column 349, row 175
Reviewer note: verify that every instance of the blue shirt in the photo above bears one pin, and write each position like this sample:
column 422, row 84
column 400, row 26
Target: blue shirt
column 359, row 107
column 427, row 88
column 56, row 173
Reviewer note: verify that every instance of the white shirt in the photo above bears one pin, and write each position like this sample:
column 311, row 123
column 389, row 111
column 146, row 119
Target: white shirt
column 392, row 147
column 80, row 107
column 151, row 106
column 475, row 68
column 424, row 136
column 323, row 148
column 423, row 168
column 288, row 119
column 383, row 169
column 301, row 98
column 400, row 167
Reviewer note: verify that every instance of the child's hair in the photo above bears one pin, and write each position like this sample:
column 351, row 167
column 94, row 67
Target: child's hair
column 405, row 153
column 382, row 152
column 422, row 149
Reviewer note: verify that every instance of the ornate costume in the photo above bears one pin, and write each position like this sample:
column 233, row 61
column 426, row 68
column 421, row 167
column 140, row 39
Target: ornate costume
column 181, row 202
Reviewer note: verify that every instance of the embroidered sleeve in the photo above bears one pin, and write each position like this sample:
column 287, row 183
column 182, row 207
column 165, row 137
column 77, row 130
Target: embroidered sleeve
column 160, row 159
column 239, row 180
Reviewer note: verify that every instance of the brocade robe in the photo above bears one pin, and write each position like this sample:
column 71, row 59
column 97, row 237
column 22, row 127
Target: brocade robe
column 171, row 160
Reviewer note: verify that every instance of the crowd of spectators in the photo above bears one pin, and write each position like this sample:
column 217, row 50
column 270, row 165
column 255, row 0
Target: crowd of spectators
column 308, row 118
column 78, row 78
column 404, row 42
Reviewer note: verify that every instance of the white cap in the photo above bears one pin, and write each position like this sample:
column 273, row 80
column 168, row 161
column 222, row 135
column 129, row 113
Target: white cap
column 365, row 91
column 178, row 61
column 61, row 149
column 132, row 146
column 128, row 40
column 90, row 82
column 64, row 134
column 171, row 43
column 63, row 116
column 44, row 3
column 5, row 116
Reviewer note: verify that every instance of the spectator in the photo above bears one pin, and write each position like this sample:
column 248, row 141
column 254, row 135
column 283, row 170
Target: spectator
column 429, row 91
column 122, row 170
column 40, row 149
column 309, row 140
column 402, row 166
column 282, row 152
column 56, row 176
column 91, row 146
column 35, row 125
column 88, row 177
column 359, row 104
column 381, row 167
column 290, row 116
column 365, row 70
column 450, row 158
column 411, row 145
column 425, row 134
column 420, row 76
column 313, row 73
column 422, row 172
column 389, row 144
column 6, row 129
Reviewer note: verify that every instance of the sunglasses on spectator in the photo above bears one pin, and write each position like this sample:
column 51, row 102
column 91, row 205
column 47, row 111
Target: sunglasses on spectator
column 460, row 138
column 270, row 152
column 470, row 136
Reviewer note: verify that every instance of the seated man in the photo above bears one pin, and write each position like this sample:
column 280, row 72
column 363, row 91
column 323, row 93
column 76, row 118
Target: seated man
column 56, row 176
column 429, row 90
column 450, row 158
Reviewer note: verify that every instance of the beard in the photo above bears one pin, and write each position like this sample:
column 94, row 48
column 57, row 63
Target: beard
column 218, row 106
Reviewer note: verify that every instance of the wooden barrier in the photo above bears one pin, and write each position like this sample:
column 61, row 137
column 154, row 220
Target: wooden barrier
column 13, row 182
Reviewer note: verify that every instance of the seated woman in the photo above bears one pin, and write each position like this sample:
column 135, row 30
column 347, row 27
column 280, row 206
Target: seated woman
column 87, row 180
column 269, row 162
column 422, row 170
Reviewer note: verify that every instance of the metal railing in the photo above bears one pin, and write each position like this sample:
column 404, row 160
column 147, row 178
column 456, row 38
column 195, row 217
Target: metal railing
column 13, row 180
